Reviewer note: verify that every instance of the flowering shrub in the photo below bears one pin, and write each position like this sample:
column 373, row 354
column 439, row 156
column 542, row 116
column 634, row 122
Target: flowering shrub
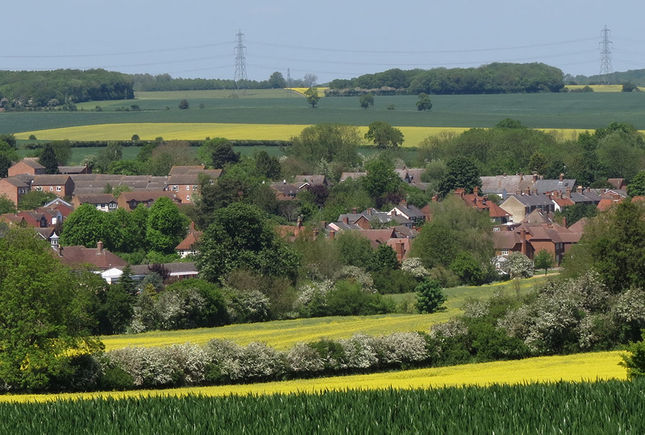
column 414, row 266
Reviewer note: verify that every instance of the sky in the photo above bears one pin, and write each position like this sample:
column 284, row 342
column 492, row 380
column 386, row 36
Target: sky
column 331, row 39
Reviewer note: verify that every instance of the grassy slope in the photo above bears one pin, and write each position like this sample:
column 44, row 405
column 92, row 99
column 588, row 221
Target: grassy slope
column 282, row 334
column 575, row 368
column 566, row 110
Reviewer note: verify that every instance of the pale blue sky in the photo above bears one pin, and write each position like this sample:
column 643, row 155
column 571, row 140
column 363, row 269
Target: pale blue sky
column 332, row 39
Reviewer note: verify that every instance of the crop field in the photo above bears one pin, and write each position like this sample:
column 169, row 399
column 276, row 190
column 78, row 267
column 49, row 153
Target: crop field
column 594, row 366
column 283, row 334
column 285, row 107
column 301, row 91
column 602, row 88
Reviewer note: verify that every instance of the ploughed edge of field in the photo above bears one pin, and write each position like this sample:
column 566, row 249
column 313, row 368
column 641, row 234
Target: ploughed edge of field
column 413, row 136
column 585, row 367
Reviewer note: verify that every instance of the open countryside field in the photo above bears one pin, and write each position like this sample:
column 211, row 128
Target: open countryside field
column 602, row 88
column 574, row 368
column 283, row 107
column 283, row 334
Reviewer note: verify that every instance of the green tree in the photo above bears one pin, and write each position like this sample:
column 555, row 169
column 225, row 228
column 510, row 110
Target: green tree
column 354, row 249
column 461, row 173
column 312, row 97
column 241, row 237
column 543, row 260
column 629, row 87
column 5, row 164
column 63, row 151
column 277, row 81
column 183, row 104
column 327, row 142
column 384, row 135
column 384, row 259
column 166, row 226
column 48, row 160
column 206, row 150
column 366, row 100
column 538, row 163
column 424, row 103
column 84, row 227
column 637, row 185
column 34, row 199
column 430, row 297
column 381, row 180
column 6, row 205
column 44, row 314
column 634, row 360
column 267, row 166
column 467, row 269
column 223, row 154
column 112, row 153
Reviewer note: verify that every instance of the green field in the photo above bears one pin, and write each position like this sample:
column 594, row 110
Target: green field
column 548, row 110
column 282, row 334
column 599, row 407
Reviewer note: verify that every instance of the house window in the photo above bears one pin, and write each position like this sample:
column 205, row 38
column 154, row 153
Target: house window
column 187, row 187
column 112, row 205
column 58, row 189
column 39, row 188
column 51, row 188
column 187, row 197
column 504, row 251
column 194, row 187
column 175, row 188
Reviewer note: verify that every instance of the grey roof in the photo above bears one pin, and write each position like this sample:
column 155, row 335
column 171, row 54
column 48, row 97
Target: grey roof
column 544, row 186
column 95, row 183
column 72, row 169
column 95, row 198
column 534, row 200
column 16, row 181
column 50, row 179
column 585, row 197
column 311, row 179
column 411, row 211
column 502, row 184
column 355, row 175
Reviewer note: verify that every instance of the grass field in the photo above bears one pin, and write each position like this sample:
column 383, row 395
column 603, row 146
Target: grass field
column 283, row 334
column 574, row 368
column 284, row 107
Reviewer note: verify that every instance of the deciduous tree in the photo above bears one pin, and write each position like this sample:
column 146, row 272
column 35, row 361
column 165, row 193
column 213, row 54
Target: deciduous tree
column 384, row 135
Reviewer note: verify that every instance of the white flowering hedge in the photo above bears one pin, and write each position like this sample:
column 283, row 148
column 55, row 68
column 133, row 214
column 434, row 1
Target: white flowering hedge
column 222, row 361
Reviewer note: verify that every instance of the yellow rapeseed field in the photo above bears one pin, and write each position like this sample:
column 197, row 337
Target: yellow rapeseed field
column 573, row 368
column 197, row 131
column 301, row 91
column 601, row 88
column 283, row 334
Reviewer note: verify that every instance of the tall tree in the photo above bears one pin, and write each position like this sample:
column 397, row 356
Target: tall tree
column 461, row 173
column 381, row 180
column 277, row 81
column 223, row 154
column 48, row 160
column 424, row 103
column 384, row 135
column 366, row 100
column 84, row 227
column 166, row 226
column 637, row 185
column 312, row 97
column 44, row 313
column 241, row 237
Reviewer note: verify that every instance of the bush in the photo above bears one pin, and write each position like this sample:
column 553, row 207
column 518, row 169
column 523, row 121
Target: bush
column 430, row 297
column 347, row 299
column 634, row 361
column 394, row 281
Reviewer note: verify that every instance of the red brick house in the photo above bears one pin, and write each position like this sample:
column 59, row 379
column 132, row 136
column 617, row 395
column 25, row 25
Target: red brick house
column 59, row 184
column 28, row 165
column 184, row 181
column 97, row 258
column 13, row 188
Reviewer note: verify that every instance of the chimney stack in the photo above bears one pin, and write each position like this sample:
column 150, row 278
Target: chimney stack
column 561, row 177
column 99, row 247
column 332, row 234
column 579, row 189
column 354, row 210
column 476, row 190
column 345, row 220
column 523, row 240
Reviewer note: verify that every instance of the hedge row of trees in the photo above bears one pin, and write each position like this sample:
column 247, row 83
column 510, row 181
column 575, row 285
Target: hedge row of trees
column 495, row 78
column 38, row 89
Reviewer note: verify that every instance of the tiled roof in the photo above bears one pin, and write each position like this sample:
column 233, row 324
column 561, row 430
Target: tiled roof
column 355, row 175
column 143, row 196
column 72, row 169
column 32, row 162
column 533, row 200
column 311, row 179
column 16, row 181
column 501, row 184
column 50, row 179
column 97, row 198
column 189, row 241
column 505, row 239
column 101, row 259
column 545, row 186
column 179, row 170
column 377, row 237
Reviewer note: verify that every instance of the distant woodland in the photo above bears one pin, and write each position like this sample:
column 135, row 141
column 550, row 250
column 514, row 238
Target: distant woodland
column 25, row 90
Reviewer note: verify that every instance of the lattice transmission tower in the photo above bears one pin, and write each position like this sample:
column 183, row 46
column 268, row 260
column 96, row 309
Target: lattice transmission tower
column 605, row 56
column 240, row 60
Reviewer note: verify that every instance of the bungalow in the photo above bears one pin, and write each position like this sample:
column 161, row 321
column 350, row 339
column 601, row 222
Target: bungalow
column 171, row 272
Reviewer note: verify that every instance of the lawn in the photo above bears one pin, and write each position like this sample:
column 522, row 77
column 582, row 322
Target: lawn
column 283, row 334
column 284, row 107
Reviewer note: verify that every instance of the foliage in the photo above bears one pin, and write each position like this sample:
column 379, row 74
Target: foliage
column 6, row 205
column 543, row 260
column 574, row 213
column 312, row 97
column 267, row 166
column 48, row 160
column 166, row 226
column 44, row 310
column 85, row 227
column 383, row 259
column 223, row 154
column 183, row 104
column 518, row 266
column 366, row 100
column 424, row 103
column 207, row 148
column 34, row 199
column 354, row 249
column 467, row 269
column 634, row 361
column 112, row 153
column 637, row 185
column 384, row 135
column 461, row 173
column 381, row 181
column 277, row 81
column 240, row 237
column 430, row 297
column 326, row 142
column 454, row 228
column 614, row 245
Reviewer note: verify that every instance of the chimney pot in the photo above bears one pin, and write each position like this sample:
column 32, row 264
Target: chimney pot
column 561, row 177
column 99, row 247
column 332, row 234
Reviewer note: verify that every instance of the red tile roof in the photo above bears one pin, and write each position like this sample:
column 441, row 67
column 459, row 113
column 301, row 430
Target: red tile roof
column 100, row 258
